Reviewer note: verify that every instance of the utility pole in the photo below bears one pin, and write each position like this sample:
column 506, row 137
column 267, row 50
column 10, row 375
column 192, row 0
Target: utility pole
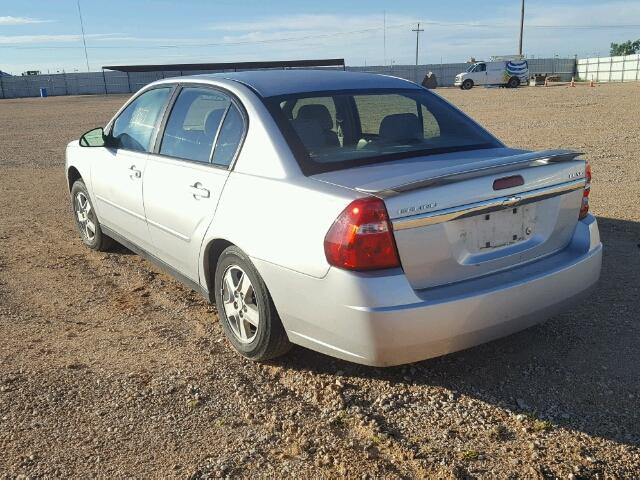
column 384, row 38
column 84, row 42
column 521, row 28
column 418, row 30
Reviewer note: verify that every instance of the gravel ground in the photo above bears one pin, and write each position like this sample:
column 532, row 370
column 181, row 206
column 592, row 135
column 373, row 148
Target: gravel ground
column 109, row 368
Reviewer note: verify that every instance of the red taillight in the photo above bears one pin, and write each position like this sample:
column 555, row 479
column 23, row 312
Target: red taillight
column 584, row 208
column 361, row 237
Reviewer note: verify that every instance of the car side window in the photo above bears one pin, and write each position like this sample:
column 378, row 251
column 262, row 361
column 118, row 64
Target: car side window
column 229, row 137
column 134, row 127
column 193, row 124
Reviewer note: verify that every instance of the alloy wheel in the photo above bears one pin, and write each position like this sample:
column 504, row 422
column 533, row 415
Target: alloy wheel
column 240, row 304
column 86, row 217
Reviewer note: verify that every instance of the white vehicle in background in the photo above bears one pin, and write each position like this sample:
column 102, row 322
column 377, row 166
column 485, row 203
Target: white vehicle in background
column 505, row 71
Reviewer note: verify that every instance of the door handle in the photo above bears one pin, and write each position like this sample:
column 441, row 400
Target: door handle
column 135, row 173
column 198, row 191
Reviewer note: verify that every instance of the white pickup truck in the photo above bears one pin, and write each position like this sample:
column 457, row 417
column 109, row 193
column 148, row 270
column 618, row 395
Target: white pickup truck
column 506, row 72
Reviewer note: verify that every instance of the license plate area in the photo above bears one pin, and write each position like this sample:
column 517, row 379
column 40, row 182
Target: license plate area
column 503, row 227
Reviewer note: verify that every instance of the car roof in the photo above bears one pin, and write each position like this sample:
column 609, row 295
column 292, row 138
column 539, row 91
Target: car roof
column 269, row 83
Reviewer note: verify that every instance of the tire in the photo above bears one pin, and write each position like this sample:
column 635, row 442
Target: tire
column 257, row 338
column 514, row 82
column 467, row 84
column 86, row 219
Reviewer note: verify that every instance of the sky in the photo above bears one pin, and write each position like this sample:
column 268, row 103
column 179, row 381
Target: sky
column 46, row 35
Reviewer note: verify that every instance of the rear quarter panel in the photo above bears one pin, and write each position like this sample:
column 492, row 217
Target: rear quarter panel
column 281, row 221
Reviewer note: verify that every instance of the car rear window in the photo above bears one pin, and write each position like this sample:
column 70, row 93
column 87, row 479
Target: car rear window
column 335, row 130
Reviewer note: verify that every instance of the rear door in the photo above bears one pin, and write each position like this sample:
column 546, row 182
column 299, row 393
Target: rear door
column 496, row 73
column 118, row 172
column 185, row 176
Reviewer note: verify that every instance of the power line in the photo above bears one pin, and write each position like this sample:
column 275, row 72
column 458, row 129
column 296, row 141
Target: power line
column 510, row 25
column 314, row 36
column 216, row 44
column 588, row 27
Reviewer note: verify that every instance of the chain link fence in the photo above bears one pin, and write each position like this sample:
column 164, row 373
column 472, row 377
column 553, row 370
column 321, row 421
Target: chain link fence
column 446, row 72
column 112, row 82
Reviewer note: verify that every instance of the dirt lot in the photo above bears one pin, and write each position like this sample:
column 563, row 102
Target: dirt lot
column 110, row 368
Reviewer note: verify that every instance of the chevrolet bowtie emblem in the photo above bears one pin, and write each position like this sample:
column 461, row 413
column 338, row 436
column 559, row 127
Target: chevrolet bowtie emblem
column 511, row 201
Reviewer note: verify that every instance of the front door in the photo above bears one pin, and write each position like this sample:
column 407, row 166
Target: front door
column 185, row 178
column 117, row 173
column 479, row 75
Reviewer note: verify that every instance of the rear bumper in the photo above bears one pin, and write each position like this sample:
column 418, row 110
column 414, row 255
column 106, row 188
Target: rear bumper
column 380, row 320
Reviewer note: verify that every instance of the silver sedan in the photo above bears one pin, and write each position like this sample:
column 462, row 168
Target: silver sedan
column 358, row 215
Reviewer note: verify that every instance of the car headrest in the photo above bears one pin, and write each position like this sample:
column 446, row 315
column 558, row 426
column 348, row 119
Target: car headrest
column 212, row 121
column 310, row 133
column 400, row 127
column 318, row 113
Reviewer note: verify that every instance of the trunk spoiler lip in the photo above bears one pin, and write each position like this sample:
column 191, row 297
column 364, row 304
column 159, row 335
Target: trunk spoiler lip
column 486, row 206
column 486, row 167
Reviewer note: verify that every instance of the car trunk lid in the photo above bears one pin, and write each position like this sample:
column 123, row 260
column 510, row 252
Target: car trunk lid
column 457, row 217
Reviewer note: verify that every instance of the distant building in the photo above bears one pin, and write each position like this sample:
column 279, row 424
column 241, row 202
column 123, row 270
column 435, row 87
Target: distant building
column 4, row 74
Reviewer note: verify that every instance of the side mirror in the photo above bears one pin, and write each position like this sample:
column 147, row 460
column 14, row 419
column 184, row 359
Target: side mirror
column 93, row 138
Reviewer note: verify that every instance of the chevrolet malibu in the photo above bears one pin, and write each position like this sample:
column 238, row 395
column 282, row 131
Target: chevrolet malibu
column 358, row 215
